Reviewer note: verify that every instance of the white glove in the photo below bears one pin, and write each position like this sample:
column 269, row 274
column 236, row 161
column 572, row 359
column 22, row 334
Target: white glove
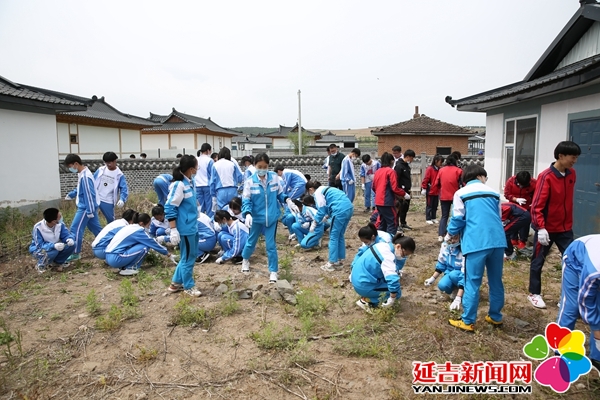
column 313, row 226
column 423, row 192
column 597, row 342
column 175, row 239
column 70, row 242
column 362, row 186
column 199, row 208
column 543, row 237
column 293, row 208
column 306, row 225
column 167, row 231
column 172, row 256
column 429, row 282
column 220, row 260
column 120, row 203
column 407, row 196
column 350, row 182
column 249, row 220
column 389, row 302
column 67, row 197
column 160, row 239
column 447, row 238
column 214, row 204
column 59, row 246
column 90, row 216
column 217, row 227
column 456, row 303
column 520, row 201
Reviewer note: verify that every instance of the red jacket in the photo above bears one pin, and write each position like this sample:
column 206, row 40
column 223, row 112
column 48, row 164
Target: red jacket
column 552, row 204
column 448, row 182
column 428, row 182
column 512, row 190
column 385, row 186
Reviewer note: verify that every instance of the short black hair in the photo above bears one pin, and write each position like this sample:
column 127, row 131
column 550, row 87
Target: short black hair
column 236, row 203
column 205, row 147
column 406, row 242
column 132, row 156
column 567, row 148
column 261, row 157
column 452, row 160
column 409, row 153
column 436, row 158
column 143, row 218
column 225, row 153
column 333, row 146
column 158, row 210
column 214, row 155
column 109, row 156
column 278, row 167
column 72, row 159
column 356, row 151
column 221, row 215
column 312, row 185
column 456, row 154
column 471, row 172
column 308, row 200
column 179, row 155
column 397, row 148
column 143, row 155
column 307, row 176
column 247, row 158
column 387, row 159
column 523, row 178
column 366, row 158
column 128, row 215
column 51, row 214
column 367, row 232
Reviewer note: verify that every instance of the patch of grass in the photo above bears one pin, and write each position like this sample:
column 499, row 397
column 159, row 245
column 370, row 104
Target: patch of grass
column 269, row 337
column 302, row 355
column 82, row 267
column 154, row 260
column 55, row 317
column 186, row 314
column 92, row 304
column 8, row 338
column 145, row 281
column 164, row 274
column 229, row 305
column 127, row 292
column 146, row 354
column 285, row 267
column 111, row 321
column 358, row 344
column 310, row 303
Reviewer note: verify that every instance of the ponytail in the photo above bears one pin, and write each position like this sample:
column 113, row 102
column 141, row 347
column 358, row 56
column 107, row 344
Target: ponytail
column 141, row 218
column 128, row 215
column 368, row 232
column 185, row 163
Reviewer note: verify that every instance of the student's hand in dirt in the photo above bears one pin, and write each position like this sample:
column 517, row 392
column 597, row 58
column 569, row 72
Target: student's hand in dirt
column 456, row 303
column 429, row 282
column 389, row 302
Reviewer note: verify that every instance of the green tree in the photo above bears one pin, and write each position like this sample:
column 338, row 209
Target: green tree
column 293, row 137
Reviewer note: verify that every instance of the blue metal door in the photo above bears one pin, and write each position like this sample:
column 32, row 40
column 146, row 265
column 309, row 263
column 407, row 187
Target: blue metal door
column 586, row 218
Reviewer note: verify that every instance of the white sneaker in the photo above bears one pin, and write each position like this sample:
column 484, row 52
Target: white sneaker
column 440, row 238
column 292, row 237
column 40, row 268
column 298, row 245
column 364, row 305
column 330, row 267
column 193, row 292
column 512, row 257
column 273, row 277
column 245, row 266
column 128, row 272
column 435, row 221
column 429, row 222
column 220, row 253
column 536, row 300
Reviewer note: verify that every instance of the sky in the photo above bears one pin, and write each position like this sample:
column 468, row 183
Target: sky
column 357, row 64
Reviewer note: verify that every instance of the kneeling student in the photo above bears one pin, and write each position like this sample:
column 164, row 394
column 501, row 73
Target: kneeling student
column 51, row 242
column 232, row 238
column 451, row 264
column 159, row 226
column 108, row 232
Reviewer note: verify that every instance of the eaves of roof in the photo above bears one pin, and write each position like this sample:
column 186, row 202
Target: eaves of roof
column 14, row 95
column 104, row 113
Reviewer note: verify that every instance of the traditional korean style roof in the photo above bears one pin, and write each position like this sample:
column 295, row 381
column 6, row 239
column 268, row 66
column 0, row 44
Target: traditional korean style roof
column 284, row 132
column 252, row 139
column 178, row 121
column 18, row 95
column 101, row 111
column 422, row 125
column 332, row 138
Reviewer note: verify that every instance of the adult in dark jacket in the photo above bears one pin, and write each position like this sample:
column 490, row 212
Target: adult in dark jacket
column 335, row 166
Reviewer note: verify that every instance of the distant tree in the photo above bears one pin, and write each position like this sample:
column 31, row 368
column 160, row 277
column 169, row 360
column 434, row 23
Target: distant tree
column 293, row 137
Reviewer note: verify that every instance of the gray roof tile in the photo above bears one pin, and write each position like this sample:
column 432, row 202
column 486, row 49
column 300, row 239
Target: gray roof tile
column 101, row 110
column 15, row 90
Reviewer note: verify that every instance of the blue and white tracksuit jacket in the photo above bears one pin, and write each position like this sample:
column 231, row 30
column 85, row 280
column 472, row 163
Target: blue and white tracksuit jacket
column 368, row 172
column 87, row 204
column 301, row 228
column 261, row 199
column 233, row 239
column 382, row 237
column 477, row 218
column 347, row 175
column 161, row 187
column 43, row 239
column 333, row 202
column 102, row 240
column 207, row 237
column 158, row 228
column 202, row 180
column 119, row 190
column 450, row 263
column 580, row 294
column 294, row 183
column 129, row 247
column 224, row 181
column 375, row 273
column 250, row 170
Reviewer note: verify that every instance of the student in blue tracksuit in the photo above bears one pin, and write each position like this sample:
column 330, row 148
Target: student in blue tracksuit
column 334, row 203
column 235, row 208
column 248, row 163
column 260, row 206
column 301, row 228
column 51, row 242
column 225, row 179
column 87, row 203
column 580, row 294
column 161, row 187
column 367, row 172
column 111, row 186
column 294, row 182
column 347, row 175
column 159, row 226
column 202, row 178
column 232, row 238
column 130, row 245
column 375, row 273
column 476, row 218
column 108, row 233
column 207, row 237
column 451, row 264
column 369, row 235
column 182, row 213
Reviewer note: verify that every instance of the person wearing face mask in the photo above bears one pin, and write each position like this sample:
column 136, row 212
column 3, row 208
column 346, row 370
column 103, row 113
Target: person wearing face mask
column 375, row 274
column 476, row 218
column 232, row 237
column 130, row 245
column 51, row 242
column 450, row 263
column 107, row 233
column 347, row 174
column 87, row 203
column 111, row 186
column 335, row 166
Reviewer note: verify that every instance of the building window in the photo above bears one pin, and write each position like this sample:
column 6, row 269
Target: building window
column 519, row 146
column 443, row 151
column 73, row 139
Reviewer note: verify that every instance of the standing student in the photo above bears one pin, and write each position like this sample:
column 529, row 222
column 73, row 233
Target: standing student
column 552, row 213
column 431, row 191
column 347, row 174
column 402, row 169
column 182, row 213
column 326, row 161
column 476, row 218
column 87, row 203
column 108, row 233
column 451, row 264
column 397, row 153
column 514, row 218
column 224, row 181
column 207, row 237
column 130, row 245
column 111, row 186
column 385, row 186
column 232, row 238
column 335, row 166
column 367, row 171
column 260, row 206
column 447, row 182
column 51, row 242
column 161, row 187
column 250, row 169
column 202, row 179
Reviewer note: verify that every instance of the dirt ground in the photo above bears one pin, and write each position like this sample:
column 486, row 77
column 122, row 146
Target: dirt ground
column 324, row 347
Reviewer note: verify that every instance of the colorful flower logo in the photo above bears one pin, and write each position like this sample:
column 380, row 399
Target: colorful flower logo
column 567, row 364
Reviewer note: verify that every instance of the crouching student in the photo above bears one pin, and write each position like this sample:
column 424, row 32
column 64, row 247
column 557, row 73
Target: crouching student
column 580, row 294
column 161, row 187
column 369, row 235
column 108, row 233
column 516, row 221
column 159, row 226
column 375, row 273
column 51, row 242
column 207, row 237
column 232, row 238
column 301, row 228
column 235, row 208
column 130, row 245
column 450, row 263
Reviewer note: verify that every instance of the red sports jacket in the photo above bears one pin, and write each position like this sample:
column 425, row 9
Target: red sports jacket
column 448, row 181
column 512, row 190
column 428, row 182
column 385, row 186
column 552, row 204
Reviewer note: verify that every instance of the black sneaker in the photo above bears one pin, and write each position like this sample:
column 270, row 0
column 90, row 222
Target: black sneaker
column 406, row 227
column 202, row 258
column 596, row 365
column 237, row 260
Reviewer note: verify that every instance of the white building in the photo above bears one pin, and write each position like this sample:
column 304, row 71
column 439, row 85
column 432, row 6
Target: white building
column 281, row 137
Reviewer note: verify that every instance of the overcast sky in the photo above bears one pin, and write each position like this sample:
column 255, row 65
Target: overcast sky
column 357, row 63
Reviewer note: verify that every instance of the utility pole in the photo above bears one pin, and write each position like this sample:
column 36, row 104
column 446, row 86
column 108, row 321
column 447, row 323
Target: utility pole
column 299, row 124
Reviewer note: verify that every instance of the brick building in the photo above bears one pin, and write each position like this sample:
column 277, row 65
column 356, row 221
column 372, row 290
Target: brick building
column 423, row 135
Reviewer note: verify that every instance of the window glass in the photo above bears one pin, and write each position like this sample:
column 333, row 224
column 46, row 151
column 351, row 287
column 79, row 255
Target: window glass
column 510, row 132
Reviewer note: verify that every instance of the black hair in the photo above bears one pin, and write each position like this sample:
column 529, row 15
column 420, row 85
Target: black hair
column 109, row 156
column 298, row 204
column 451, row 160
column 179, row 155
column 261, row 157
column 397, row 148
column 332, row 146
column 567, row 148
column 406, row 242
column 72, row 159
column 225, row 153
column 436, row 158
column 523, row 178
column 387, row 159
column 366, row 158
column 221, row 215
column 128, row 215
column 471, row 172
column 307, row 177
column 278, row 167
column 356, row 151
column 198, row 153
column 51, row 214
column 367, row 232
column 143, row 218
column 205, row 147
column 456, row 155
column 143, row 155
column 214, row 155
column 132, row 156
column 409, row 153
column 308, row 200
column 185, row 163
column 312, row 185
column 236, row 203
column 158, row 210
column 247, row 159
column 328, row 149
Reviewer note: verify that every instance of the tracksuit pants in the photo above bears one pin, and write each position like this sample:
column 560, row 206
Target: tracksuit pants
column 99, row 252
column 206, row 244
column 374, row 291
column 451, row 280
column 515, row 228
column 108, row 210
column 431, row 207
column 389, row 219
column 446, row 206
column 204, row 199
column 288, row 219
column 225, row 240
column 350, row 191
column 45, row 258
column 306, row 238
column 80, row 222
column 337, row 243
column 404, row 210
column 130, row 259
column 271, row 244
column 562, row 240
column 369, row 195
column 184, row 272
column 224, row 196
column 161, row 189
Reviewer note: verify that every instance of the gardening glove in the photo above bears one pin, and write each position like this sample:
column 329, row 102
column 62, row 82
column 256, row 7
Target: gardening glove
column 350, row 182
column 70, row 242
column 90, row 216
column 249, row 220
column 306, row 225
column 313, row 226
column 59, row 246
column 167, row 231
column 175, row 239
column 217, row 227
column 67, row 197
column 407, row 196
column 172, row 256
column 389, row 302
column 543, row 237
column 429, row 282
column 520, row 201
column 456, row 303
column 120, row 203
column 160, row 239
column 423, row 192
column 447, row 237
column 293, row 208
column 362, row 186
column 220, row 260
column 214, row 204
column 597, row 342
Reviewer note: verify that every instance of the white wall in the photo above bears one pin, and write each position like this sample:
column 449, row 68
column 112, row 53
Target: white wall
column 130, row 142
column 155, row 141
column 94, row 141
column 62, row 132
column 494, row 148
column 284, row 143
column 24, row 135
column 183, row 141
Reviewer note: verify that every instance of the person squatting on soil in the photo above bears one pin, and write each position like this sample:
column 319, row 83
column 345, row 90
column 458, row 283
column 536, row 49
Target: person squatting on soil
column 232, row 237
column 51, row 242
column 450, row 263
column 107, row 233
column 515, row 219
column 301, row 227
column 159, row 226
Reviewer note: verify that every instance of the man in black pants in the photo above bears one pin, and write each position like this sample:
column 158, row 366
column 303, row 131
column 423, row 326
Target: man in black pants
column 402, row 169
column 335, row 166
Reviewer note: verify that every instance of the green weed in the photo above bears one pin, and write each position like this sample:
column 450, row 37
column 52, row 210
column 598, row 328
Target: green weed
column 127, row 292
column 285, row 267
column 145, row 281
column 269, row 337
column 111, row 321
column 310, row 303
column 7, row 338
column 92, row 304
column 188, row 315
column 358, row 344
column 146, row 354
column 229, row 305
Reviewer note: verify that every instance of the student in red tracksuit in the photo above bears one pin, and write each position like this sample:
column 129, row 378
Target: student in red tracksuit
column 514, row 219
column 448, row 182
column 385, row 186
column 519, row 190
column 552, row 213
column 431, row 192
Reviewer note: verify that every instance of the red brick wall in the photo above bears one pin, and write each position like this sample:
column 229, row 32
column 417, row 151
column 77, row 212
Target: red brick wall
column 422, row 144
